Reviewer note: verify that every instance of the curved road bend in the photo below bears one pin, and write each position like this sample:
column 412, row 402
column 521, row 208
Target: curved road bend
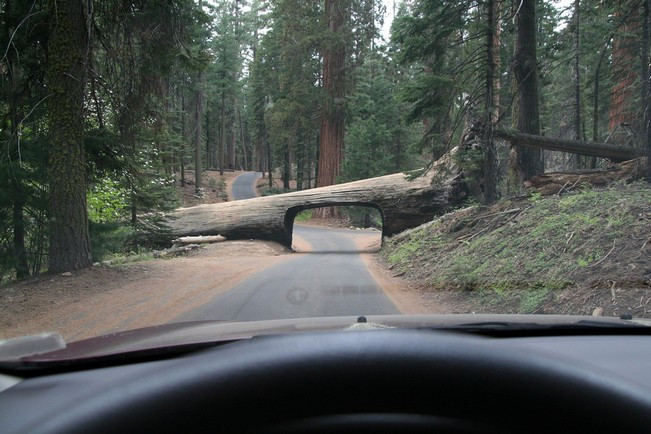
column 244, row 185
column 331, row 280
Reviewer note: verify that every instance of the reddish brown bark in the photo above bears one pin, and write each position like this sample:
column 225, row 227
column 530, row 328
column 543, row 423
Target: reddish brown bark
column 332, row 114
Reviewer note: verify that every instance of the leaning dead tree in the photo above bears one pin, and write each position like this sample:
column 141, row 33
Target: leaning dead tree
column 591, row 149
column 403, row 204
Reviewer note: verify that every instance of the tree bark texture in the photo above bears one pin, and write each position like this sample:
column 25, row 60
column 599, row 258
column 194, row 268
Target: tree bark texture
column 578, row 163
column 334, row 83
column 232, row 160
column 68, row 54
column 646, row 82
column 526, row 162
column 497, row 61
column 403, row 203
column 577, row 72
column 222, row 131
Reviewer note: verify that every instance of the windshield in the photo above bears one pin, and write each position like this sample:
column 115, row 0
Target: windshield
column 248, row 160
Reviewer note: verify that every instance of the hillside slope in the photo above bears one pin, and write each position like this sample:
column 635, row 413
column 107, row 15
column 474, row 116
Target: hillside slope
column 583, row 253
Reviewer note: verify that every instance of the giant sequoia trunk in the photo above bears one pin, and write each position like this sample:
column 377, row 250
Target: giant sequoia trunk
column 68, row 52
column 526, row 162
column 332, row 114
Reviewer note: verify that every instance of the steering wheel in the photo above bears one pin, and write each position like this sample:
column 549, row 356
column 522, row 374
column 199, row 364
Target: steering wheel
column 362, row 381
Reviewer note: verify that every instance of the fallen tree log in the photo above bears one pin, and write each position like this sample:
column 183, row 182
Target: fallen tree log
column 591, row 149
column 562, row 182
column 402, row 203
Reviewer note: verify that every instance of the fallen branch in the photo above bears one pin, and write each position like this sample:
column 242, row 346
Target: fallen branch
column 612, row 292
column 604, row 258
column 200, row 239
column 174, row 251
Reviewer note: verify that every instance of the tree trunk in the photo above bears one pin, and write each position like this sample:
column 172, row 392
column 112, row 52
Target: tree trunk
column 68, row 53
column 20, row 254
column 244, row 147
column 595, row 114
column 222, row 131
column 332, row 114
column 497, row 60
column 624, row 55
column 232, row 155
column 270, row 168
column 525, row 162
column 209, row 144
column 577, row 79
column 489, row 180
column 646, row 82
column 198, row 132
column 286, row 169
column 183, row 140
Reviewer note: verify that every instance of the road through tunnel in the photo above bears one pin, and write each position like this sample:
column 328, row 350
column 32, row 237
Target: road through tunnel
column 361, row 224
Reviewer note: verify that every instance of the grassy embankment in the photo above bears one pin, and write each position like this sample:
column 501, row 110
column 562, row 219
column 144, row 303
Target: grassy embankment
column 571, row 254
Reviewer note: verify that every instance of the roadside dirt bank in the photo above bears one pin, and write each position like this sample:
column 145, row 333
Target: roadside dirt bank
column 104, row 300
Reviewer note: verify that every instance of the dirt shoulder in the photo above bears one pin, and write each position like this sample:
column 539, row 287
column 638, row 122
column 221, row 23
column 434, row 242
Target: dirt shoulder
column 103, row 300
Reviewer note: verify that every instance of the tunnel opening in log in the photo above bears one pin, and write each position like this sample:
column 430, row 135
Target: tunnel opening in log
column 361, row 225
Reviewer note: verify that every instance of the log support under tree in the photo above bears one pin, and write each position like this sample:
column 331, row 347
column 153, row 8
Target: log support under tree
column 402, row 203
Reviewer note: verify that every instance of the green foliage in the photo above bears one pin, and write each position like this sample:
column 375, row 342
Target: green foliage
column 107, row 202
column 424, row 35
column 108, row 239
column 270, row 191
column 377, row 142
column 304, row 216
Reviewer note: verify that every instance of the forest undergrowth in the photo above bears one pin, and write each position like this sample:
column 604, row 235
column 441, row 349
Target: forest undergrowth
column 587, row 252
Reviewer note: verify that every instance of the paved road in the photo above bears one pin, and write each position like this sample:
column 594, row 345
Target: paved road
column 244, row 185
column 331, row 280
